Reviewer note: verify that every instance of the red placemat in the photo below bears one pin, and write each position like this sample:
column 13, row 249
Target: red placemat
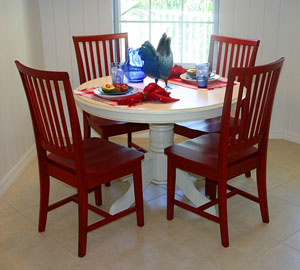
column 89, row 93
column 211, row 86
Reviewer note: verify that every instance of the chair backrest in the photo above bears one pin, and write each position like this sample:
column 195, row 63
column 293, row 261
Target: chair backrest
column 95, row 53
column 51, row 122
column 228, row 52
column 252, row 115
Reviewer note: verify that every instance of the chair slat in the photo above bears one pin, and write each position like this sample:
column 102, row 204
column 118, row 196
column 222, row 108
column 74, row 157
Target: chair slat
column 242, row 60
column 62, row 115
column 45, row 109
column 92, row 59
column 39, row 121
column 237, row 55
column 251, row 120
column 105, row 59
column 247, row 60
column 219, row 58
column 54, row 112
column 118, row 50
column 111, row 51
column 225, row 59
column 231, row 57
column 264, row 100
column 98, row 43
column 86, row 59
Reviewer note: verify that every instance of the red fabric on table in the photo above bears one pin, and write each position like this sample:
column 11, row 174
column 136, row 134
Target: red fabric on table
column 89, row 93
column 176, row 71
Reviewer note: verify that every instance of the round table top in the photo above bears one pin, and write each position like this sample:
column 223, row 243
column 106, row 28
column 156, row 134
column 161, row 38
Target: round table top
column 193, row 104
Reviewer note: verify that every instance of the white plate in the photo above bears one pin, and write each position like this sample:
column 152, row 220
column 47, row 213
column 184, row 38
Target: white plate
column 101, row 94
column 187, row 79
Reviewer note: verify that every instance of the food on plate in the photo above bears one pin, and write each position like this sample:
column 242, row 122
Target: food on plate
column 191, row 72
column 115, row 88
column 109, row 88
column 124, row 87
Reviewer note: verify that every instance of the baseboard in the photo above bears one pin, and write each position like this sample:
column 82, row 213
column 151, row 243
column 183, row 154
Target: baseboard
column 291, row 136
column 276, row 134
column 19, row 167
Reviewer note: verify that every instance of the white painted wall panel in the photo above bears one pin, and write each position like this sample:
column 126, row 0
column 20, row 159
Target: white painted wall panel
column 20, row 29
column 256, row 21
column 48, row 34
column 226, row 17
column 286, row 40
column 293, row 88
column 271, row 26
column 272, row 21
column 91, row 17
column 76, row 27
column 62, row 34
column 241, row 18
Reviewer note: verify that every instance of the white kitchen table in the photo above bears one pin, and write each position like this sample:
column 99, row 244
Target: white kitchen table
column 193, row 105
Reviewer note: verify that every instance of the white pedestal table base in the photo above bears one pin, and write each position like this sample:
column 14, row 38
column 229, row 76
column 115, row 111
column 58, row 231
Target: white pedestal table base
column 154, row 168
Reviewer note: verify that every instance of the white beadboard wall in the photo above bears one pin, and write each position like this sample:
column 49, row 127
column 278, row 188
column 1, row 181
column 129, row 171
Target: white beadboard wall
column 20, row 31
column 274, row 22
column 62, row 19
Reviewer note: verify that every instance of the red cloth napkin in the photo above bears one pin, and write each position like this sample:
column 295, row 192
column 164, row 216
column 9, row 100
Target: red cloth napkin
column 176, row 71
column 151, row 92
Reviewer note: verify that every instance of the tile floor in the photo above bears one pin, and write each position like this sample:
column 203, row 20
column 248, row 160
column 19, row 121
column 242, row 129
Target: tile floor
column 187, row 242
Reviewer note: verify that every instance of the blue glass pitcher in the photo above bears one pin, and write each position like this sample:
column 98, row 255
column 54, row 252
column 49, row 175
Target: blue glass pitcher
column 133, row 66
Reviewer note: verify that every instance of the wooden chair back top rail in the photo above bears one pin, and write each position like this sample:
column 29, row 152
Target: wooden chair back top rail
column 95, row 53
column 231, row 52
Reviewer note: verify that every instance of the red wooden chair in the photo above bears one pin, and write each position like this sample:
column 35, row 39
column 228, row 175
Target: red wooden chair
column 224, row 53
column 64, row 155
column 238, row 148
column 94, row 55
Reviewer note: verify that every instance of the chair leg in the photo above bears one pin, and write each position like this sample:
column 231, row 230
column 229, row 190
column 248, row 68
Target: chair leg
column 171, row 189
column 105, row 137
column 98, row 196
column 86, row 126
column 222, row 203
column 262, row 192
column 44, row 199
column 210, row 188
column 138, row 194
column 82, row 221
column 129, row 139
column 248, row 174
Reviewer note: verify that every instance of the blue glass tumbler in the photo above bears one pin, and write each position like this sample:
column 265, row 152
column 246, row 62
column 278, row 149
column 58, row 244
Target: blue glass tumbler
column 202, row 74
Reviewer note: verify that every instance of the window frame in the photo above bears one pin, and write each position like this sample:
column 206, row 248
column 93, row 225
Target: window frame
column 215, row 23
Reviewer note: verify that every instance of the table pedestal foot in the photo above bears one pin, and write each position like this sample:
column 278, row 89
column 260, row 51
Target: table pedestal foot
column 128, row 198
column 186, row 183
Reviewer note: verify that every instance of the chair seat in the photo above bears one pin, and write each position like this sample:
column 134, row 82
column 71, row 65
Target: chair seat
column 195, row 129
column 203, row 151
column 114, row 128
column 101, row 157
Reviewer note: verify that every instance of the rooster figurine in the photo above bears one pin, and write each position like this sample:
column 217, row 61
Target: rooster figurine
column 157, row 63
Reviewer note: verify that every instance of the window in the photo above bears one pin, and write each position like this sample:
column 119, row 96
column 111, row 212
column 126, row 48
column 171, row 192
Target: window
column 189, row 23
